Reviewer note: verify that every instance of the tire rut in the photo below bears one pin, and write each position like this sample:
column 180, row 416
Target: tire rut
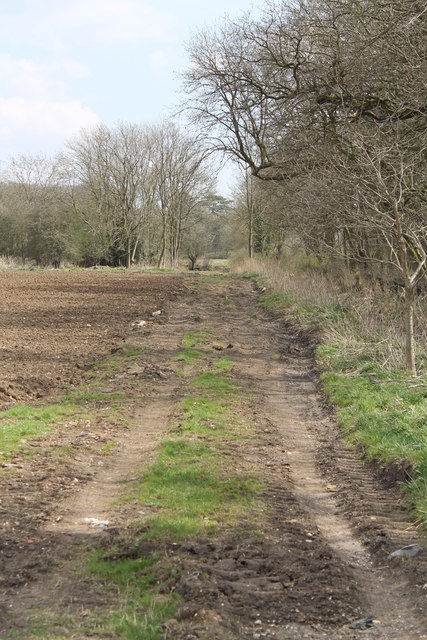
column 290, row 404
column 315, row 566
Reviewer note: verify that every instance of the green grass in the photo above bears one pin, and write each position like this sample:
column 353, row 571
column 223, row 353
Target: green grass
column 196, row 338
column 190, row 486
column 108, row 447
column 213, row 382
column 114, row 362
column 249, row 275
column 229, row 302
column 275, row 300
column 212, row 278
column 305, row 314
column 188, row 355
column 203, row 415
column 314, row 314
column 192, row 492
column 139, row 610
column 223, row 364
column 384, row 412
column 191, row 489
column 131, row 351
column 123, row 572
column 191, row 343
column 25, row 421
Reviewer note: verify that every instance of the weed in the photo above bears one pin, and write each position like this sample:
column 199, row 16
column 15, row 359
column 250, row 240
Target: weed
column 107, row 448
column 229, row 302
column 315, row 314
column 211, row 278
column 111, row 364
column 191, row 343
column 196, row 338
column 86, row 396
column 250, row 275
column 63, row 451
column 131, row 351
column 188, row 355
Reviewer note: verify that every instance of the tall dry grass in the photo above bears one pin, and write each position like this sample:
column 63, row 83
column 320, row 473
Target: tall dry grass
column 372, row 318
column 10, row 262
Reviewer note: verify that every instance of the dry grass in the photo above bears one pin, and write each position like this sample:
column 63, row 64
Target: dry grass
column 372, row 321
column 9, row 262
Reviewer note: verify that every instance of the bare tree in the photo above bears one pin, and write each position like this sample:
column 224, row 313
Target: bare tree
column 182, row 181
column 329, row 98
column 111, row 168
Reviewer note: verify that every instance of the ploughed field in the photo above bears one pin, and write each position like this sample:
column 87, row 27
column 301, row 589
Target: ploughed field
column 54, row 324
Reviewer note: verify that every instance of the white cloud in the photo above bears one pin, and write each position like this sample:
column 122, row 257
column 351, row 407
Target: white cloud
column 116, row 21
column 38, row 79
column 36, row 110
column 58, row 25
column 32, row 126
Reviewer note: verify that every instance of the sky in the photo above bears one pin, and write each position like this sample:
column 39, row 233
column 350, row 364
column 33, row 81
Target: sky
column 70, row 64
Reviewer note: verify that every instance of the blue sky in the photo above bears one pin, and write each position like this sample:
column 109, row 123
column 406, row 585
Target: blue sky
column 68, row 64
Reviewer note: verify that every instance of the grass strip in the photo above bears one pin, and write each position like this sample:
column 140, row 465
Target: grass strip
column 189, row 485
column 385, row 413
column 191, row 491
column 188, row 491
column 25, row 421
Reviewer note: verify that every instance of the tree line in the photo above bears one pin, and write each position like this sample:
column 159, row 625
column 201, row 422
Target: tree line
column 117, row 196
column 324, row 105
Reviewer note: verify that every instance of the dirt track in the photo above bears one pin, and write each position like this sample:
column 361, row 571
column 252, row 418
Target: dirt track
column 322, row 561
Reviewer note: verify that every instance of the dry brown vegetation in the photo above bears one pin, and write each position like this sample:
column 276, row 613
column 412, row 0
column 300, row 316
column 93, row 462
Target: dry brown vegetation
column 363, row 316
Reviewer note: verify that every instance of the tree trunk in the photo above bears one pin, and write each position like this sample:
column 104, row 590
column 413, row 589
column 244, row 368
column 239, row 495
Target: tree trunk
column 409, row 297
column 128, row 254
column 161, row 262
column 250, row 208
column 250, row 236
column 134, row 250
column 409, row 329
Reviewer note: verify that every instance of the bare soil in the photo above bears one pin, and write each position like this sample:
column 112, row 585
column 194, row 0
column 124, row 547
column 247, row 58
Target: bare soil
column 54, row 324
column 322, row 561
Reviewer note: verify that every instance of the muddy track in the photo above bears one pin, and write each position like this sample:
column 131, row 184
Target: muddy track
column 322, row 561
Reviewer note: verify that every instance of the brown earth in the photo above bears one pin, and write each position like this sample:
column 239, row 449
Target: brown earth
column 329, row 524
column 54, row 324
